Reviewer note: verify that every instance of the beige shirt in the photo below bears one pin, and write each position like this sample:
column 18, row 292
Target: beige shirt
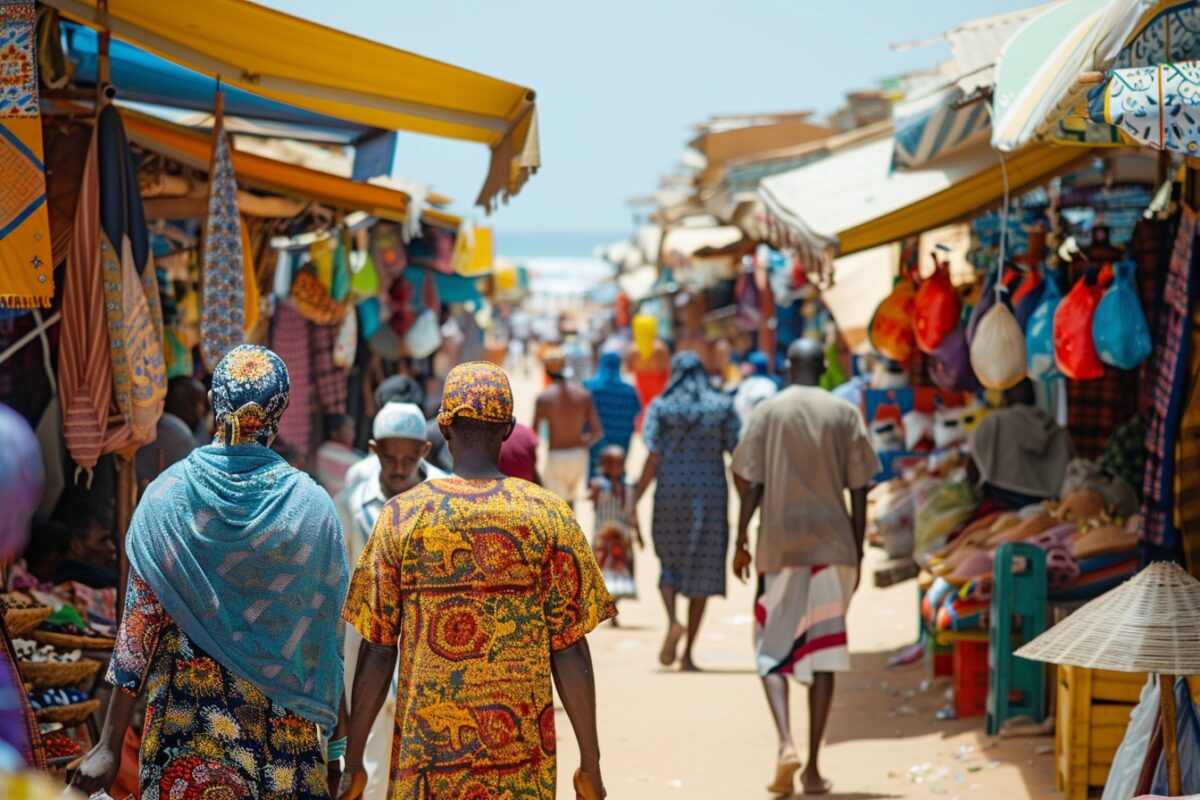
column 806, row 447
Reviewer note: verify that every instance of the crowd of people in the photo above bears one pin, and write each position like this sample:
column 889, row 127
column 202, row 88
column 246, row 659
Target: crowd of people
column 454, row 570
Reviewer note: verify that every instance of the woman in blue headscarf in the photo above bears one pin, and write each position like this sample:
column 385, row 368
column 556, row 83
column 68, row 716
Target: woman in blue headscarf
column 617, row 405
column 237, row 576
column 687, row 430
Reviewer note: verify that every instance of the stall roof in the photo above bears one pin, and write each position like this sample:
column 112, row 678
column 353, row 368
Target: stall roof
column 1037, row 78
column 853, row 201
column 300, row 63
column 195, row 150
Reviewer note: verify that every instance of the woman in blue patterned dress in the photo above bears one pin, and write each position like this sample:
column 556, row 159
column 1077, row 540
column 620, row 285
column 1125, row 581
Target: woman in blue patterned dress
column 231, row 625
column 687, row 430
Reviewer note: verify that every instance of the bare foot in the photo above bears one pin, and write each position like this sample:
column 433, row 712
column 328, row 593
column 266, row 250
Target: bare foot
column 687, row 665
column 670, row 648
column 812, row 783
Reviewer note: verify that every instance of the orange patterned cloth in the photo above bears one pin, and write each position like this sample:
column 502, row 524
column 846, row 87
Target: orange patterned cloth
column 477, row 581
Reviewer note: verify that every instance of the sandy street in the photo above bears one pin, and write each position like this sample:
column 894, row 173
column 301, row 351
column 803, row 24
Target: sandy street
column 709, row 736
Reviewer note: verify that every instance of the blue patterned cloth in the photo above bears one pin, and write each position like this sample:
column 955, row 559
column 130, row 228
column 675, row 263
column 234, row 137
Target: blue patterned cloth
column 222, row 315
column 246, row 553
column 617, row 405
column 691, row 426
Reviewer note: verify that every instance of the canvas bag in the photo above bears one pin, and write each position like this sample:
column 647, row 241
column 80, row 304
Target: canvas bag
column 890, row 329
column 998, row 351
column 1039, row 332
column 1074, row 349
column 1119, row 330
column 938, row 308
column 424, row 336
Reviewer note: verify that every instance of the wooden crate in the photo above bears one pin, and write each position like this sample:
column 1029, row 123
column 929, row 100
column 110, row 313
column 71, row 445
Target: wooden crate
column 1093, row 708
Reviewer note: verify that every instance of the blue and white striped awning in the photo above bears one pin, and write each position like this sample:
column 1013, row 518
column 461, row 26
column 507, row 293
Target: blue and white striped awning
column 931, row 126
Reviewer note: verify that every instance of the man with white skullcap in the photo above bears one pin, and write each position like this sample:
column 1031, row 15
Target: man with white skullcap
column 399, row 447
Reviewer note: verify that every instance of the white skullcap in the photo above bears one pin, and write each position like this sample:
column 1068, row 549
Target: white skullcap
column 399, row 421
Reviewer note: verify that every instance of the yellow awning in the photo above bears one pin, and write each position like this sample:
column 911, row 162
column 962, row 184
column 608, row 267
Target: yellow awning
column 331, row 72
column 195, row 150
column 853, row 201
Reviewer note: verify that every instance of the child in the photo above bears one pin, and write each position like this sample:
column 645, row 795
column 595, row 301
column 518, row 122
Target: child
column 616, row 523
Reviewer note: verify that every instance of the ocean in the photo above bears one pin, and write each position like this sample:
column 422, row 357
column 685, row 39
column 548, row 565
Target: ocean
column 561, row 264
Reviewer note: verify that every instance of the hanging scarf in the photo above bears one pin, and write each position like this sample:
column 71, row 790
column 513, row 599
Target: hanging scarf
column 135, row 328
column 112, row 320
column 26, row 261
column 222, row 315
column 246, row 553
column 688, row 395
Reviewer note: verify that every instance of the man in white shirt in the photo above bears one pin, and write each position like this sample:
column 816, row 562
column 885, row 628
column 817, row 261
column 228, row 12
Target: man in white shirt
column 399, row 446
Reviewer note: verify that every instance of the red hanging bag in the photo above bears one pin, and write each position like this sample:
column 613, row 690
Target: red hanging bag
column 1074, row 349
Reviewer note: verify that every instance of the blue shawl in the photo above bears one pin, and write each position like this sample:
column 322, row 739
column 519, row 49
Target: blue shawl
column 246, row 555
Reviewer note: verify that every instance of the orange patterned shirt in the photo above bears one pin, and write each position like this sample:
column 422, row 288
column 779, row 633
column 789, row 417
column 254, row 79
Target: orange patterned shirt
column 476, row 581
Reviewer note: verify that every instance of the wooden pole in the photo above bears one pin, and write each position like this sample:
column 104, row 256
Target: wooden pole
column 1166, row 694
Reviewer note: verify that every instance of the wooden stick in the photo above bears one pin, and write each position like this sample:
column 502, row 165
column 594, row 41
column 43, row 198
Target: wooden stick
column 1170, row 743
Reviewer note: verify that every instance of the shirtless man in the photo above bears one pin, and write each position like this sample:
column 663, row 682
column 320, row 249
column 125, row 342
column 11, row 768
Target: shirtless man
column 574, row 425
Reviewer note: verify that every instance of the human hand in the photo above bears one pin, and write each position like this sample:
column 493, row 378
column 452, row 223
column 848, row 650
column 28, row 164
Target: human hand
column 741, row 563
column 588, row 786
column 354, row 783
column 97, row 770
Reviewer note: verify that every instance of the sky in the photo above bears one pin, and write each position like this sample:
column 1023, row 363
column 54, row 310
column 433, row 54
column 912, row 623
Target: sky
column 621, row 83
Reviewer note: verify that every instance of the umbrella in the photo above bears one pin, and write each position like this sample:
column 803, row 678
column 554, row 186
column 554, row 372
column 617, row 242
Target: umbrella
column 1148, row 624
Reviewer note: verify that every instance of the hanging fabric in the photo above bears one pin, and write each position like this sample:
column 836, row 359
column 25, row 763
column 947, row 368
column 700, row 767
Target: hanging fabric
column 1074, row 347
column 252, row 298
column 222, row 316
column 26, row 259
column 339, row 286
column 1156, row 105
column 937, row 309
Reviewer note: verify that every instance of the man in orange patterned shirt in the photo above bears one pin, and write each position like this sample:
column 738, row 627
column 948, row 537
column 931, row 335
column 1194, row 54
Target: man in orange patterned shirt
column 486, row 588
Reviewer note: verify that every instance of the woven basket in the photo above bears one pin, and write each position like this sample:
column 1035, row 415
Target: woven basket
column 69, row 716
column 21, row 621
column 68, row 641
column 57, row 676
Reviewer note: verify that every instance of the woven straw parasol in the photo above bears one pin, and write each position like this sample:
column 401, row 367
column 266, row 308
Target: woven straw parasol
column 1148, row 624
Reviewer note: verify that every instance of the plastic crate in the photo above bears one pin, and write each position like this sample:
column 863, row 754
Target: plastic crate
column 970, row 678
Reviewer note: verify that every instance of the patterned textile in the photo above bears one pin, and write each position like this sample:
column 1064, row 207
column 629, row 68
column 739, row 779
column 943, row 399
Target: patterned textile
column 800, row 621
column 208, row 732
column 330, row 378
column 312, row 300
column 613, row 541
column 1166, row 374
column 135, row 328
column 250, row 391
column 1125, row 453
column 1096, row 408
column 232, row 536
column 222, row 315
column 691, row 425
column 26, row 260
column 476, row 582
column 112, row 320
column 1187, row 456
column 1155, row 105
column 476, row 390
column 617, row 405
column 289, row 339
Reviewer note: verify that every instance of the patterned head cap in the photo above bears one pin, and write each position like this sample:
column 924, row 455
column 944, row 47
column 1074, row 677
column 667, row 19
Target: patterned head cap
column 554, row 360
column 249, row 394
column 476, row 390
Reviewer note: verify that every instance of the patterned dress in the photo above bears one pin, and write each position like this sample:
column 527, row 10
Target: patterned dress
column 691, row 427
column 208, row 733
column 477, row 581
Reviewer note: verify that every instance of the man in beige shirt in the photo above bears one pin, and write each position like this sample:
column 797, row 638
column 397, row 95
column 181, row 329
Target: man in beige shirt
column 799, row 453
